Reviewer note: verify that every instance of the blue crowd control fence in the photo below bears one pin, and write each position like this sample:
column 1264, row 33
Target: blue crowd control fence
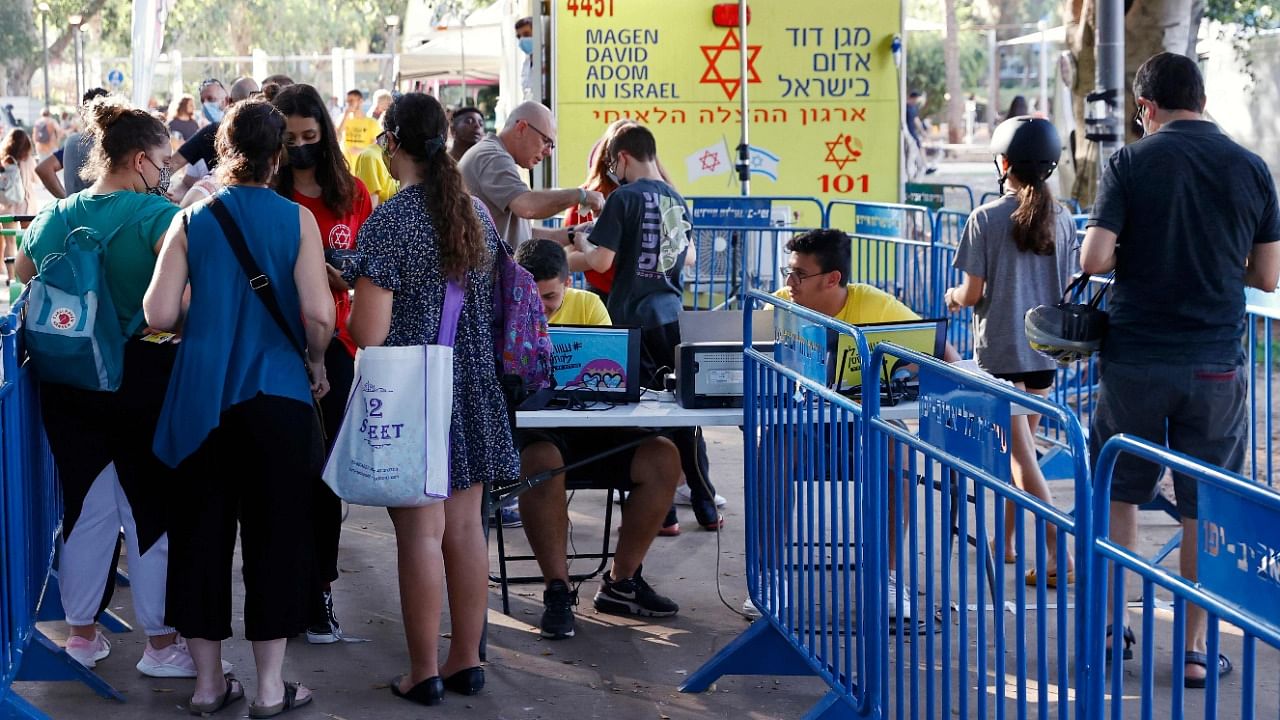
column 892, row 248
column 952, row 652
column 30, row 520
column 1238, row 559
column 938, row 196
column 739, row 244
column 948, row 228
column 803, row 517
column 1263, row 348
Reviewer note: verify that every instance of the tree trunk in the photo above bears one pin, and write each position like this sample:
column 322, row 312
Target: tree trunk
column 955, row 99
column 1151, row 26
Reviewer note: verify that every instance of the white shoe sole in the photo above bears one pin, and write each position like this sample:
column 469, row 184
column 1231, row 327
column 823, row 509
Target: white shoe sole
column 171, row 671
column 683, row 497
column 323, row 639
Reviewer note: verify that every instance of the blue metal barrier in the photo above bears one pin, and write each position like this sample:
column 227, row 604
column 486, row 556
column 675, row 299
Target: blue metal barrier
column 1238, row 582
column 939, row 196
column 1261, row 312
column 892, row 248
column 957, row 657
column 30, row 521
column 948, row 228
column 739, row 244
column 803, row 519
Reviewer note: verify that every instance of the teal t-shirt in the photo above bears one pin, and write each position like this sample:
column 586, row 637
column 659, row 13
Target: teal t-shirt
column 131, row 256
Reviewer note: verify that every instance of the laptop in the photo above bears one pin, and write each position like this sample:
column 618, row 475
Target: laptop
column 898, row 379
column 596, row 363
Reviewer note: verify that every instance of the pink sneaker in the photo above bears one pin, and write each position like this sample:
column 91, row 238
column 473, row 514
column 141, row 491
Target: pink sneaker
column 88, row 652
column 173, row 661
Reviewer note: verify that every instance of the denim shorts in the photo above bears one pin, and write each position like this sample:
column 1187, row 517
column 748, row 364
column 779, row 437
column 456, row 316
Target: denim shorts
column 1197, row 410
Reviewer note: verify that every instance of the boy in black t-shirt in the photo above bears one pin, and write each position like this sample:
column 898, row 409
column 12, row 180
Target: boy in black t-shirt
column 643, row 231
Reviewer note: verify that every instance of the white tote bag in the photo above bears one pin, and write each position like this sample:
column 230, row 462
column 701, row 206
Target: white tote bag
column 393, row 447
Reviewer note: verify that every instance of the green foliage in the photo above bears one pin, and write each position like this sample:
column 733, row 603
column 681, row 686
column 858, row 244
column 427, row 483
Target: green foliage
column 1243, row 19
column 926, row 66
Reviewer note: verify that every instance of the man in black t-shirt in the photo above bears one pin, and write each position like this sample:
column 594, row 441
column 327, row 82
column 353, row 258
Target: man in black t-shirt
column 643, row 232
column 1187, row 219
column 201, row 145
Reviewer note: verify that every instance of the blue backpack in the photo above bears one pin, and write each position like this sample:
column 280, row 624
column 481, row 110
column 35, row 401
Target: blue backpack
column 71, row 331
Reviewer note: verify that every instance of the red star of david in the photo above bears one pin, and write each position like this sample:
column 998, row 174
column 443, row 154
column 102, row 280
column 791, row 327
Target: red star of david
column 710, row 161
column 712, row 74
column 843, row 143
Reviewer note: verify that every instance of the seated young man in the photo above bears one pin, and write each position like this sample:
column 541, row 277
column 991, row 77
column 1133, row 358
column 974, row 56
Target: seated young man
column 649, row 472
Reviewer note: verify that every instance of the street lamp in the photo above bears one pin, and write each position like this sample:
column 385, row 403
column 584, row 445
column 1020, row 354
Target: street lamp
column 393, row 44
column 44, row 39
column 76, row 21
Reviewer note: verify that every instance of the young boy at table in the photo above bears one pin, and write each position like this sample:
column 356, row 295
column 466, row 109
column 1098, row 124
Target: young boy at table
column 649, row 472
column 643, row 233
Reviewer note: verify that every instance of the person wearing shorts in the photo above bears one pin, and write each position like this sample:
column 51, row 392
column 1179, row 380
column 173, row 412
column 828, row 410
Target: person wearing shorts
column 1187, row 219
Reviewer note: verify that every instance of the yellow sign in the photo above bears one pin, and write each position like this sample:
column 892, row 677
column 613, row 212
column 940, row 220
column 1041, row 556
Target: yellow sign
column 824, row 101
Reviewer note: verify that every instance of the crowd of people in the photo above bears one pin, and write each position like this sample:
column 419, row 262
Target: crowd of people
column 359, row 224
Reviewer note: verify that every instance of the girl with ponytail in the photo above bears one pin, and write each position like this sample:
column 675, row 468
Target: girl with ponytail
column 427, row 234
column 1018, row 252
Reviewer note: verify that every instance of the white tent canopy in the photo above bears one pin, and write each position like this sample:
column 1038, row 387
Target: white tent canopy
column 472, row 51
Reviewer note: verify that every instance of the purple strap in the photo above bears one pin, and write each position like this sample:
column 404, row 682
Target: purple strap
column 449, row 316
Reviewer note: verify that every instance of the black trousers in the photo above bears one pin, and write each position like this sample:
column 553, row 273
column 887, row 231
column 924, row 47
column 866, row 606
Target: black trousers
column 326, row 508
column 257, row 469
column 657, row 357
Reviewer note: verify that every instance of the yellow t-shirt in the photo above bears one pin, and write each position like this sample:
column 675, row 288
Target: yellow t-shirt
column 372, row 171
column 358, row 134
column 864, row 304
column 581, row 307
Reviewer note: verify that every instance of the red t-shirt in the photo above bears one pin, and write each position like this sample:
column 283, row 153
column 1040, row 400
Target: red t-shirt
column 339, row 233
column 603, row 281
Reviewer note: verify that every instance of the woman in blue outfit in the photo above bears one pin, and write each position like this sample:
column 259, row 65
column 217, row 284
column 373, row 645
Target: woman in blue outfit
column 430, row 232
column 1018, row 252
column 238, row 421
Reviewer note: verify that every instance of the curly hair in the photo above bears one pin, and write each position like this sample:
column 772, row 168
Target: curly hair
column 418, row 122
column 15, row 147
column 119, row 130
column 337, row 186
column 250, row 139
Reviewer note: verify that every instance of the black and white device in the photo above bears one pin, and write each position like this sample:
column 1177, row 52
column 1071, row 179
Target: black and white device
column 711, row 374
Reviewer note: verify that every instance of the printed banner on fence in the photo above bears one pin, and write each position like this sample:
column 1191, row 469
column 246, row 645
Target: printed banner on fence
column 1239, row 554
column 965, row 423
column 802, row 345
column 825, row 112
column 732, row 212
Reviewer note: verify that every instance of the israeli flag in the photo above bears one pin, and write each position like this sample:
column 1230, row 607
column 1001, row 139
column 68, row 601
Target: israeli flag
column 764, row 163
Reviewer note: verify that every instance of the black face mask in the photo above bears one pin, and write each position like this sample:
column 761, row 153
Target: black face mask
column 304, row 157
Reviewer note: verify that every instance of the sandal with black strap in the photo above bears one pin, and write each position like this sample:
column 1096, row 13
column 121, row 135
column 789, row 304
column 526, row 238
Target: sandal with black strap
column 1129, row 642
column 290, row 702
column 234, row 692
column 1191, row 657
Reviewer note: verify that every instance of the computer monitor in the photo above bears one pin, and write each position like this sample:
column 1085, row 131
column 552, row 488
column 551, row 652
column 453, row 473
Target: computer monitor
column 596, row 362
column 924, row 336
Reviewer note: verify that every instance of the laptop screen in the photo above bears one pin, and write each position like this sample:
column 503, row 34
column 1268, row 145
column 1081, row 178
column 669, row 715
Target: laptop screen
column 923, row 336
column 597, row 360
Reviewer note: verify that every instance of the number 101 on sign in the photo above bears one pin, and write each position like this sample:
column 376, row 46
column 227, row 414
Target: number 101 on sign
column 590, row 8
column 842, row 183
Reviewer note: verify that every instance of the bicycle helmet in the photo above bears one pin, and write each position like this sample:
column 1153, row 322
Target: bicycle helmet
column 1031, row 144
column 1068, row 331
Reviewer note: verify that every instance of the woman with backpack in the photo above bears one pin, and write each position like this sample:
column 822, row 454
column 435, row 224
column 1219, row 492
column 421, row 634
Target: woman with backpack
column 431, row 232
column 109, row 476
column 17, row 185
column 1017, row 252
column 239, row 421
column 316, row 177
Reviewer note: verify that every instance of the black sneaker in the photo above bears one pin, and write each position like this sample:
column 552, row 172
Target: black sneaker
column 326, row 631
column 632, row 596
column 557, row 615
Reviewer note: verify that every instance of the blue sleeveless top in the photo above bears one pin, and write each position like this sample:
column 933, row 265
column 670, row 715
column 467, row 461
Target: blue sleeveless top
column 231, row 349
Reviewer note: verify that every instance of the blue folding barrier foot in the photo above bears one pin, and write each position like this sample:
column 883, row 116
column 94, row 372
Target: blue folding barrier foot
column 832, row 706
column 1057, row 465
column 45, row 661
column 13, row 705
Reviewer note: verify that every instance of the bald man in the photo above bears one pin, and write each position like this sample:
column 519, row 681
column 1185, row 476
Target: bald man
column 491, row 170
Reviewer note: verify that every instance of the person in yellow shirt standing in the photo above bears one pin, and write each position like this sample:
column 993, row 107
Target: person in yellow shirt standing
column 371, row 167
column 649, row 472
column 357, row 129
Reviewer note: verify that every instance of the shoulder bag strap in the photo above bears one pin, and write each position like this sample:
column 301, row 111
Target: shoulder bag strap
column 453, row 297
column 258, row 280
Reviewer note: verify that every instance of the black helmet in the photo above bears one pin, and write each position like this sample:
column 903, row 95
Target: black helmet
column 1028, row 141
column 1067, row 331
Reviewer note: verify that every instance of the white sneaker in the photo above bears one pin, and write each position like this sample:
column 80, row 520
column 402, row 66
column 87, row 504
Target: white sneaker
column 892, row 598
column 88, row 652
column 750, row 610
column 684, row 497
column 173, row 661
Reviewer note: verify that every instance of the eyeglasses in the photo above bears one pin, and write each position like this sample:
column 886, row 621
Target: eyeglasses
column 210, row 81
column 1137, row 121
column 792, row 275
column 381, row 139
column 547, row 142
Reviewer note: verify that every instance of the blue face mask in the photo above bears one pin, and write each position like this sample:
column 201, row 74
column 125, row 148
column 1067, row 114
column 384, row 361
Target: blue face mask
column 526, row 45
column 212, row 111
